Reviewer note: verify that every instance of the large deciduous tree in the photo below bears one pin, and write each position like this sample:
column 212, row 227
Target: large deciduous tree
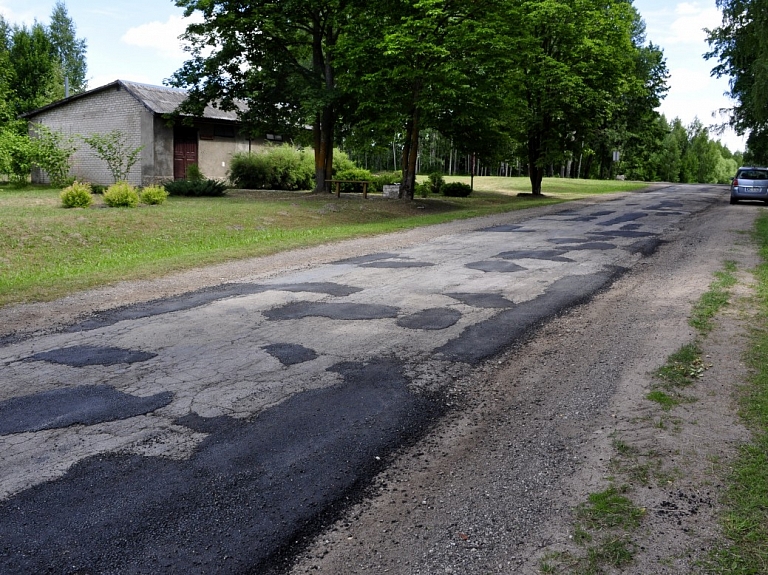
column 276, row 56
column 571, row 64
column 740, row 46
column 419, row 64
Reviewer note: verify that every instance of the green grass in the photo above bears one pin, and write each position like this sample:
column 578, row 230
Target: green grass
column 745, row 522
column 47, row 251
column 714, row 299
column 608, row 509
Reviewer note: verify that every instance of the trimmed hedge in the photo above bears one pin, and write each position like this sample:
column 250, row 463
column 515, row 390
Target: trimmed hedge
column 121, row 195
column 278, row 168
column 78, row 195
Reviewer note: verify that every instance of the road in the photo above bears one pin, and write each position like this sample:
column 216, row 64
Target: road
column 210, row 431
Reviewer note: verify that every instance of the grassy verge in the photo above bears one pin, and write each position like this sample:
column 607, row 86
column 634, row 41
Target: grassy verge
column 746, row 520
column 47, row 251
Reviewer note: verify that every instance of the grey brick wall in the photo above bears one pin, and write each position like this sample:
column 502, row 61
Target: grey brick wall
column 98, row 113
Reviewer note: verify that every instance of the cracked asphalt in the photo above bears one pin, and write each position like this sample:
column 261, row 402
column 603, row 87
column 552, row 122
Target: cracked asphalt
column 204, row 432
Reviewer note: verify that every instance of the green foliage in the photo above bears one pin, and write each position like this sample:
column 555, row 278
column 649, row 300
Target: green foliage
column 115, row 149
column 121, row 195
column 209, row 188
column 378, row 181
column 153, row 195
column 356, row 174
column 69, row 50
column 278, row 168
column 78, row 195
column 436, row 182
column 456, row 190
column 194, row 174
column 52, row 152
column 17, row 156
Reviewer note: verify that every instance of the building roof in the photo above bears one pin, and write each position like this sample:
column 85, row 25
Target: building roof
column 156, row 99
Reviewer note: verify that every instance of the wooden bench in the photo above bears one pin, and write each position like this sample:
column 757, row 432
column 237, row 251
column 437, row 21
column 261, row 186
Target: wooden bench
column 339, row 182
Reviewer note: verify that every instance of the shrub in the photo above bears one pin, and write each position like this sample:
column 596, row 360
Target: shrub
column 277, row 168
column 115, row 149
column 436, row 182
column 422, row 190
column 153, row 195
column 357, row 174
column 378, row 181
column 98, row 188
column 199, row 188
column 52, row 151
column 341, row 162
column 194, row 174
column 78, row 195
column 121, row 195
column 456, row 190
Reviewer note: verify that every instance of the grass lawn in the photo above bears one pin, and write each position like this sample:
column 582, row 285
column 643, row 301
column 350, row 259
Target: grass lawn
column 47, row 251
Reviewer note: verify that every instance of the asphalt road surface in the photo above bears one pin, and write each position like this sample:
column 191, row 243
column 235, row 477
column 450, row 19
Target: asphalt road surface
column 207, row 432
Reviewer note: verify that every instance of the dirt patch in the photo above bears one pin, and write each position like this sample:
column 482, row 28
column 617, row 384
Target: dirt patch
column 493, row 488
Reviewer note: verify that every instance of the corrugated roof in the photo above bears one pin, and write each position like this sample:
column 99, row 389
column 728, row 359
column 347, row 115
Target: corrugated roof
column 157, row 99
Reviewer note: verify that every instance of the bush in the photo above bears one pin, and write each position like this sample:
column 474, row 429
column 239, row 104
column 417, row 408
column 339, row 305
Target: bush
column 456, row 190
column 436, row 182
column 153, row 195
column 277, row 168
column 422, row 190
column 121, row 195
column 357, row 174
column 378, row 181
column 199, row 188
column 194, row 174
column 52, row 151
column 77, row 195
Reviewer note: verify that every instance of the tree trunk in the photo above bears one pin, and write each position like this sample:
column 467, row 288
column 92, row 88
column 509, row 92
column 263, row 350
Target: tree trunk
column 320, row 156
column 410, row 156
column 535, row 172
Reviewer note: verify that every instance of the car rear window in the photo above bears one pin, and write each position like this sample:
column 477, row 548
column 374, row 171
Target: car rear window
column 753, row 175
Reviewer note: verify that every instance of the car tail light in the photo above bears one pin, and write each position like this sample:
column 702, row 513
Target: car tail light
column 735, row 182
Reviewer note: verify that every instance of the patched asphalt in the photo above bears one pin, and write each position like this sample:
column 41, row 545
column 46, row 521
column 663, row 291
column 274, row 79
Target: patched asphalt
column 215, row 428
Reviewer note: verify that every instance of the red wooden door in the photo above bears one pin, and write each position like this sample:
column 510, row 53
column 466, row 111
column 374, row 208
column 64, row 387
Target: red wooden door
column 184, row 150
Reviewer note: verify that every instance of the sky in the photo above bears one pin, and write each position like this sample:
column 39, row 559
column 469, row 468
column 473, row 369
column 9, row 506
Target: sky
column 137, row 40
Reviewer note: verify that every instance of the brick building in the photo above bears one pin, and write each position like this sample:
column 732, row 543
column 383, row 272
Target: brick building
column 138, row 111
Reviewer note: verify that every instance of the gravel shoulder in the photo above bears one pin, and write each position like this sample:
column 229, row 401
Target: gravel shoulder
column 492, row 489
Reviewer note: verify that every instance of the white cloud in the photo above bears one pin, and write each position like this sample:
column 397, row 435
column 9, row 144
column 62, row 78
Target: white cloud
column 162, row 37
column 689, row 24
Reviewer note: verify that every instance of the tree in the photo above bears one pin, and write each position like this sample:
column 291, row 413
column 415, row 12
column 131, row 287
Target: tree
column 421, row 64
column 569, row 61
column 69, row 50
column 113, row 147
column 35, row 74
column 740, row 47
column 276, row 56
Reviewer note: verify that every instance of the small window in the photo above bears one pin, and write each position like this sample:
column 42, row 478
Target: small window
column 224, row 131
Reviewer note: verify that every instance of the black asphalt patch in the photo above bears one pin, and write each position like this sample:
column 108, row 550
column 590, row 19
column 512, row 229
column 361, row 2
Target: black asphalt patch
column 549, row 255
column 200, row 298
column 249, row 490
column 645, row 247
column 596, row 246
column 623, row 233
column 346, row 311
column 558, row 241
column 366, row 259
column 628, row 217
column 84, row 355
column 487, row 338
column 496, row 266
column 483, row 300
column 665, row 205
column 86, row 405
column 290, row 353
column 507, row 228
column 397, row 264
column 431, row 319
